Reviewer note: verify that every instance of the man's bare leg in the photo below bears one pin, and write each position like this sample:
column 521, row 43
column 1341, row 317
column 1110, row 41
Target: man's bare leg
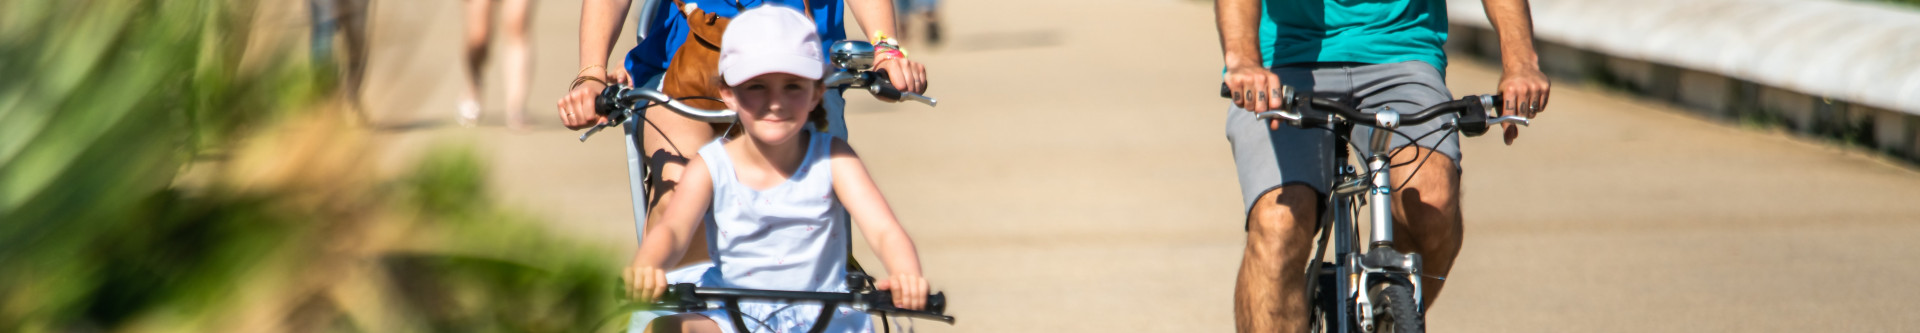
column 1427, row 214
column 1270, row 295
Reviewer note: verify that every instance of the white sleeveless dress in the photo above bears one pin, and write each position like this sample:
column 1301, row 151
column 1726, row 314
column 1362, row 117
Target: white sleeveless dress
column 793, row 236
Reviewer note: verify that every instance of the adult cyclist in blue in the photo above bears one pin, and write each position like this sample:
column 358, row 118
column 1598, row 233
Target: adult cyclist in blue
column 1374, row 54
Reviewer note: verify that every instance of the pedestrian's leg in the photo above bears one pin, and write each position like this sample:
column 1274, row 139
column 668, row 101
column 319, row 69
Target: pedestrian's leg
column 932, row 17
column 516, row 59
column 354, row 24
column 1270, row 294
column 478, row 13
column 1427, row 213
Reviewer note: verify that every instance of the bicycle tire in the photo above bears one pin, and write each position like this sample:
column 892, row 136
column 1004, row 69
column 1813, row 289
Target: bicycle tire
column 1395, row 311
column 1322, row 315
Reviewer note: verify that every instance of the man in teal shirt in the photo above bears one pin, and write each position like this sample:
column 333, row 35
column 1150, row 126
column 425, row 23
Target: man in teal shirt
column 1373, row 54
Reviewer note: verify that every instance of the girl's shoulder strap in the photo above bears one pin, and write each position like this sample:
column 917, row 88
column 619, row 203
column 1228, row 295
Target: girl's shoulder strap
column 719, row 164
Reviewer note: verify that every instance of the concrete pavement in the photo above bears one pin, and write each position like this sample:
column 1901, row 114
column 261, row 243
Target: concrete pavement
column 1075, row 178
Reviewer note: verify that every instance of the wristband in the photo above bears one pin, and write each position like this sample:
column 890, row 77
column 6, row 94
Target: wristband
column 585, row 78
column 583, row 71
column 887, row 45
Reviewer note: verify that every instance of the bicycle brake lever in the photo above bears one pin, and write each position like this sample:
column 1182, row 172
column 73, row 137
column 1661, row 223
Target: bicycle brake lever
column 1282, row 115
column 596, row 129
column 1508, row 119
column 929, row 101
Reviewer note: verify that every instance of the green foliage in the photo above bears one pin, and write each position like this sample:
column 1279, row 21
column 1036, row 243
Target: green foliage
column 104, row 105
column 448, row 181
column 496, row 271
column 1915, row 3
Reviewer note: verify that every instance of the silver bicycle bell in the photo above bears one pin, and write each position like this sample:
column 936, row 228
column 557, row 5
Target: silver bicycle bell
column 852, row 55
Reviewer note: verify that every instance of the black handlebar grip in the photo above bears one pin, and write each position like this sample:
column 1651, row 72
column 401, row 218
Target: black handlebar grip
column 937, row 303
column 607, row 102
column 880, row 86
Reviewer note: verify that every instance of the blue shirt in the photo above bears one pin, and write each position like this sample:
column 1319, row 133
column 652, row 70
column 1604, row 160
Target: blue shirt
column 668, row 29
column 1359, row 31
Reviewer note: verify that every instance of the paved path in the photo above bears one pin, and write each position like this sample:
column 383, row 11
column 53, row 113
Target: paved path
column 1075, row 178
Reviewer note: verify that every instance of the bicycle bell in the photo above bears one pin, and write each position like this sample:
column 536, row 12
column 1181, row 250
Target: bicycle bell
column 851, row 55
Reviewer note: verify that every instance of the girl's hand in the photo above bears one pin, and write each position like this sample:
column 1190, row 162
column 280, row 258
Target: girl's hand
column 909, row 290
column 645, row 283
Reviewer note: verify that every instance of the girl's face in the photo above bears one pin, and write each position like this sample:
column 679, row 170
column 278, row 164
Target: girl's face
column 773, row 107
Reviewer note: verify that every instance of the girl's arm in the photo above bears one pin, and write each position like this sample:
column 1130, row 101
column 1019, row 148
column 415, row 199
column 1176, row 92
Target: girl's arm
column 858, row 193
column 666, row 241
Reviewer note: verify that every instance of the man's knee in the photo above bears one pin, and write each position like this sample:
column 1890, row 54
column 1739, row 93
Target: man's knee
column 1288, row 212
column 1431, row 180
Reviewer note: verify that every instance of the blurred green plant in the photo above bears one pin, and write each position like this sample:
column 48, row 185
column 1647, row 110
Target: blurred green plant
column 1915, row 3
column 160, row 173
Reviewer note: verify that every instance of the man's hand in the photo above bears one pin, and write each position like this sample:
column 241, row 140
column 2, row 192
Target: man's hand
column 645, row 284
column 1255, row 89
column 1523, row 92
column 909, row 290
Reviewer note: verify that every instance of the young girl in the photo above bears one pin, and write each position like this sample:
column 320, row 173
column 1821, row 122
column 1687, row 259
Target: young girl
column 778, row 192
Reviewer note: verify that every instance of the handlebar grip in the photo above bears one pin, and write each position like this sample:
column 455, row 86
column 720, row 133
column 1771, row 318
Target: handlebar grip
column 608, row 101
column 1475, row 122
column 882, row 87
column 937, row 302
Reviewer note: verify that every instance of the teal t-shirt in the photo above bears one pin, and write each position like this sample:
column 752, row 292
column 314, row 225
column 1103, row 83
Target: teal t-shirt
column 1359, row 31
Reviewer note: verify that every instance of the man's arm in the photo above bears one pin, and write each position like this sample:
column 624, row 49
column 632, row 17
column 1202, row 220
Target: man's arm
column 1253, row 87
column 1523, row 88
column 1255, row 301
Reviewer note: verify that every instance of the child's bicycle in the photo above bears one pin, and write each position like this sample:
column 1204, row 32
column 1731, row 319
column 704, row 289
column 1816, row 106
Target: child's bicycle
column 853, row 69
column 1375, row 289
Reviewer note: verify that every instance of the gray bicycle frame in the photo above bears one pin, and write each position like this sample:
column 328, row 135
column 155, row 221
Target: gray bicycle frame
column 1357, row 269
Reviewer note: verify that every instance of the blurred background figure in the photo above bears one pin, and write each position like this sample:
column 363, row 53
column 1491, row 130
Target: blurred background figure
column 349, row 16
column 913, row 12
column 515, row 57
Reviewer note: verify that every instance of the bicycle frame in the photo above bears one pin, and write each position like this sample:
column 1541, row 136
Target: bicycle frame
column 1355, row 270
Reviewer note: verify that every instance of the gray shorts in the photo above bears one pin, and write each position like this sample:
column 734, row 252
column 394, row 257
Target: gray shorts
column 1268, row 159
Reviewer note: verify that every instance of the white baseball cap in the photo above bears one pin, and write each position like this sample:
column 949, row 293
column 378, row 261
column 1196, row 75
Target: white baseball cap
column 770, row 39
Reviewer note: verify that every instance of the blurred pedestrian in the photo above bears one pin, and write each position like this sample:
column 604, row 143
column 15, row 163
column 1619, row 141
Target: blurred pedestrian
column 925, row 11
column 515, row 57
column 349, row 16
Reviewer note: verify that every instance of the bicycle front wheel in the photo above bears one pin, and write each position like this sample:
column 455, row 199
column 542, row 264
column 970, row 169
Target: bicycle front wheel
column 1394, row 310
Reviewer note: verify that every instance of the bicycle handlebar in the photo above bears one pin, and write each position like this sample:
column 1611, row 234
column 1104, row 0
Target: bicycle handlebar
column 1476, row 113
column 687, row 297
